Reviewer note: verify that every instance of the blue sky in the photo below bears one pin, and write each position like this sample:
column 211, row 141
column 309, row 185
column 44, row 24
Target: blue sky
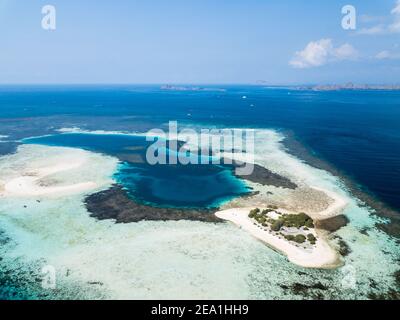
column 184, row 41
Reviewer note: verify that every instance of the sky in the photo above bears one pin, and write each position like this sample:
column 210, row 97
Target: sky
column 199, row 42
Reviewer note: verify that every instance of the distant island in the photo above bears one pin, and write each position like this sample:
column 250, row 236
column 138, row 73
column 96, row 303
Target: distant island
column 188, row 88
column 348, row 86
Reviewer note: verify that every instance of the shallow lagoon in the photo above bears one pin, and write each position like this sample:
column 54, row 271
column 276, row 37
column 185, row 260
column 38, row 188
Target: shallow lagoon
column 194, row 186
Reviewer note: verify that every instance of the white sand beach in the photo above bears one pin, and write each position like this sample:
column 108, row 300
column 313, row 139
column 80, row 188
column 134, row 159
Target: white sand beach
column 322, row 255
column 319, row 256
column 39, row 178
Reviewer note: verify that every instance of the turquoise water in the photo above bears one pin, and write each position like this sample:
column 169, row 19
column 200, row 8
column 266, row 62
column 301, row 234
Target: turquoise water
column 356, row 131
column 189, row 186
column 175, row 259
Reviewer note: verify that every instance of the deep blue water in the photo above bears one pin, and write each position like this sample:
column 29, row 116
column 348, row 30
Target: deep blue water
column 356, row 131
column 194, row 186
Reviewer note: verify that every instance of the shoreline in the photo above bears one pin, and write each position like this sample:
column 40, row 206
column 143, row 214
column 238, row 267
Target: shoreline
column 323, row 256
column 325, row 207
column 41, row 178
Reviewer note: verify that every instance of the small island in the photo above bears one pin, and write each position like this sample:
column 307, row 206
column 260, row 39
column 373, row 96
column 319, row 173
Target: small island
column 349, row 86
column 293, row 234
column 296, row 228
column 189, row 88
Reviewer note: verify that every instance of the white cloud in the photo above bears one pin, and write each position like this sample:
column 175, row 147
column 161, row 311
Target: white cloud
column 345, row 52
column 314, row 54
column 379, row 29
column 394, row 27
column 318, row 53
column 396, row 9
column 385, row 54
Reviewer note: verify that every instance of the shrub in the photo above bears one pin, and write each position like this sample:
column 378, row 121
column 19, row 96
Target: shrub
column 289, row 237
column 266, row 211
column 311, row 238
column 299, row 238
column 309, row 223
column 261, row 219
column 297, row 220
column 277, row 225
column 253, row 213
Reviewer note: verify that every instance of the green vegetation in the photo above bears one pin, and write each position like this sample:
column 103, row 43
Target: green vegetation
column 277, row 225
column 299, row 238
column 311, row 238
column 261, row 219
column 298, row 221
column 289, row 237
column 266, row 211
column 253, row 213
column 285, row 220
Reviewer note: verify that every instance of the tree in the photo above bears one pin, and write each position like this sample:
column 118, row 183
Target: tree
column 277, row 225
column 299, row 238
column 253, row 213
column 311, row 238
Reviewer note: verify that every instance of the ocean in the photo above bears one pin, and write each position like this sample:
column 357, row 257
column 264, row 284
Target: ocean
column 353, row 134
column 355, row 131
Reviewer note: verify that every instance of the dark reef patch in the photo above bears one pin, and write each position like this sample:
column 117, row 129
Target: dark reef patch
column 114, row 203
column 344, row 248
column 392, row 228
column 307, row 290
column 3, row 239
column 264, row 176
column 391, row 294
column 332, row 224
column 396, row 276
